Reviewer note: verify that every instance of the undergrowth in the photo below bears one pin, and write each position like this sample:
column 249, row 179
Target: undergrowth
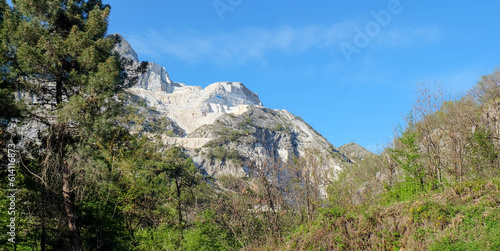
column 462, row 217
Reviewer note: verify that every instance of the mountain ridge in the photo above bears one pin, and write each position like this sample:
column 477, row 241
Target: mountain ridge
column 355, row 152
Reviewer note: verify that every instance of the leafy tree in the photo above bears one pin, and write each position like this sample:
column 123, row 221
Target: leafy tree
column 457, row 120
column 488, row 88
column 208, row 235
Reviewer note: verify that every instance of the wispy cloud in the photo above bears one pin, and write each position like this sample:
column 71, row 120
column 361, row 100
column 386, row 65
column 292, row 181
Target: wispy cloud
column 461, row 80
column 256, row 43
column 238, row 46
column 409, row 37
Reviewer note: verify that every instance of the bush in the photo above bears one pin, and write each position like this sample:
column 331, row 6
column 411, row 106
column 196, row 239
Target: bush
column 235, row 135
column 208, row 235
column 160, row 238
column 224, row 153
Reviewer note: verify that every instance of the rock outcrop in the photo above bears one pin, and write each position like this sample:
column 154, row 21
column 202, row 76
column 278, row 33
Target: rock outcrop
column 124, row 49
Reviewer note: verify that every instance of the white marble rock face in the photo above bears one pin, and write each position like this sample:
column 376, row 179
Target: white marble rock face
column 156, row 79
column 192, row 106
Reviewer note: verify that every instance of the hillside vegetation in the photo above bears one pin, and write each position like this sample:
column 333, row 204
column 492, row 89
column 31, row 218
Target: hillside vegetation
column 92, row 172
column 435, row 187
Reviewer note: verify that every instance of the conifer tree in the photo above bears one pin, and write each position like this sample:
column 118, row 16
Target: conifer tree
column 6, row 89
column 408, row 156
column 57, row 56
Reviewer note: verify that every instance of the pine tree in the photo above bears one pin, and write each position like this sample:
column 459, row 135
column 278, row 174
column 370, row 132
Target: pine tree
column 6, row 86
column 408, row 156
column 58, row 57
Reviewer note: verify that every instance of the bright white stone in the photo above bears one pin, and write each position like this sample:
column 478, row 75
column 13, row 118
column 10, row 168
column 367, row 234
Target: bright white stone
column 191, row 106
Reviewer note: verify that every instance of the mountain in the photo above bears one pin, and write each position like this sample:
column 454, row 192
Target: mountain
column 355, row 152
column 224, row 127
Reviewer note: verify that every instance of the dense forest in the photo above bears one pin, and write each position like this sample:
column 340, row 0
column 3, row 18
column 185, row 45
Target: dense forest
column 78, row 173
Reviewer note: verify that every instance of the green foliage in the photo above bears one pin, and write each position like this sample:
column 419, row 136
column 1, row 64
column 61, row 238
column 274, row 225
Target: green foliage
column 92, row 185
column 247, row 122
column 206, row 234
column 101, row 227
column 142, row 102
column 479, row 222
column 484, row 155
column 162, row 237
column 485, row 145
column 450, row 147
column 224, row 153
column 57, row 52
column 235, row 135
column 345, row 191
column 7, row 86
column 203, row 234
column 333, row 212
column 408, row 157
column 461, row 218
column 447, row 244
column 214, row 143
column 401, row 191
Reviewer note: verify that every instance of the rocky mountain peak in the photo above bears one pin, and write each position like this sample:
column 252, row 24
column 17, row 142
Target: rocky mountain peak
column 189, row 106
column 225, row 125
column 124, row 48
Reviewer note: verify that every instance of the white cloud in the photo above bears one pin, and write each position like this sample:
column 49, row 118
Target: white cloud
column 256, row 43
column 409, row 37
column 461, row 80
column 237, row 46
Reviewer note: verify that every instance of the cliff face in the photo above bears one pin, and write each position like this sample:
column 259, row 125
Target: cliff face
column 258, row 136
column 225, row 126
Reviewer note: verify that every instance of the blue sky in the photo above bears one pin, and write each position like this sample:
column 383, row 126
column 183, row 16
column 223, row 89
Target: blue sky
column 348, row 68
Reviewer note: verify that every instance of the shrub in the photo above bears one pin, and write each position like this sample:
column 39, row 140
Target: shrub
column 224, row 153
column 235, row 135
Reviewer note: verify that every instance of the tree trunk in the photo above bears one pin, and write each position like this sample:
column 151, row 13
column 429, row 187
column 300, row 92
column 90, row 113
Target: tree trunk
column 59, row 91
column 74, row 232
